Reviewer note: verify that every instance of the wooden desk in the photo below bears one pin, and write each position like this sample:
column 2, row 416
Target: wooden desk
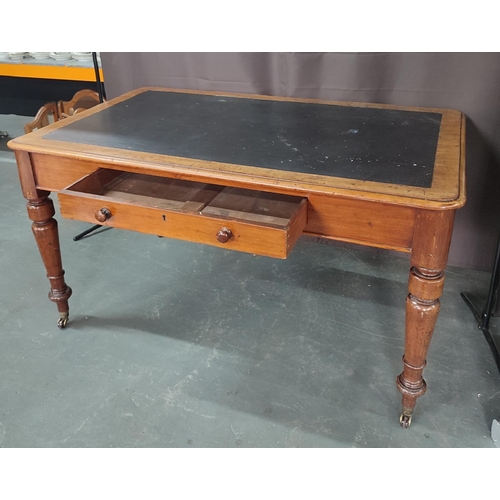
column 253, row 173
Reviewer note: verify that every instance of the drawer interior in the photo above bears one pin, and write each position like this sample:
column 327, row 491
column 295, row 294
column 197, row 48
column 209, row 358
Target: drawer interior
column 190, row 197
column 259, row 222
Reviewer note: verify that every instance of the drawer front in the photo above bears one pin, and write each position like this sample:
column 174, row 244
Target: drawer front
column 235, row 219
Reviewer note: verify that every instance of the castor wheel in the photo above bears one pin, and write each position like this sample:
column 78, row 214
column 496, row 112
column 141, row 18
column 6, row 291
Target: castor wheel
column 63, row 321
column 405, row 421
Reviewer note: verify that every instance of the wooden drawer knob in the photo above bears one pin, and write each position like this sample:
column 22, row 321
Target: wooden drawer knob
column 103, row 214
column 224, row 235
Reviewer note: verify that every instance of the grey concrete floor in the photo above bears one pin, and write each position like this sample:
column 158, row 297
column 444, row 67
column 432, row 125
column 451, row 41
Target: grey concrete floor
column 172, row 344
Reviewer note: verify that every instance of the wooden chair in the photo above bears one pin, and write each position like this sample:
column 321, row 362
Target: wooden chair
column 42, row 118
column 83, row 99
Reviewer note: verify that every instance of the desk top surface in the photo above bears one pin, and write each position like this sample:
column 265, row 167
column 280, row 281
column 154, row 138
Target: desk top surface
column 384, row 149
column 381, row 145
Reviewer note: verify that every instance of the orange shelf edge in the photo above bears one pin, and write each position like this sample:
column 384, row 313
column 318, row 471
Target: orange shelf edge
column 50, row 72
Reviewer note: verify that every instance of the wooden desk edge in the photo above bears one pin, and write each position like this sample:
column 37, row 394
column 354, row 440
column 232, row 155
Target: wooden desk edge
column 31, row 143
column 242, row 180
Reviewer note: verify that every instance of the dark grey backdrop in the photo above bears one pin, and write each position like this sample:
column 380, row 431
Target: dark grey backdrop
column 469, row 82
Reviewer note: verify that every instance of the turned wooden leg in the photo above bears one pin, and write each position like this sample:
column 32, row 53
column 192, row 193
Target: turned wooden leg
column 431, row 243
column 41, row 212
column 422, row 308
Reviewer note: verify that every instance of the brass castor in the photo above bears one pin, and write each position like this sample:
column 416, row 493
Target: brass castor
column 405, row 420
column 63, row 321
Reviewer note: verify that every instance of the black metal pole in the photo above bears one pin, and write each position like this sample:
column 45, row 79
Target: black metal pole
column 87, row 231
column 102, row 98
column 100, row 85
column 492, row 293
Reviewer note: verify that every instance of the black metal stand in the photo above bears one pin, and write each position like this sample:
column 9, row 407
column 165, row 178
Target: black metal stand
column 102, row 98
column 87, row 231
column 100, row 85
column 483, row 319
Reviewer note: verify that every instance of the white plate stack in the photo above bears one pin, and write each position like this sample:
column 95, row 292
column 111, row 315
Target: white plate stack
column 82, row 56
column 40, row 55
column 61, row 56
column 17, row 56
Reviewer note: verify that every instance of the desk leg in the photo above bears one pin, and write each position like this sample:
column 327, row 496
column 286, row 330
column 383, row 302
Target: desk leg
column 431, row 242
column 41, row 212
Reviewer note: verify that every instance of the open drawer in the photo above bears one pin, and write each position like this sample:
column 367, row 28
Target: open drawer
column 237, row 219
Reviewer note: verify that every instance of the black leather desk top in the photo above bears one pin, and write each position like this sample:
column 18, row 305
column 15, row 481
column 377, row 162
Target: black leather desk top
column 380, row 145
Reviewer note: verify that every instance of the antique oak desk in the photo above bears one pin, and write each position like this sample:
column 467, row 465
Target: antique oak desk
column 253, row 173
